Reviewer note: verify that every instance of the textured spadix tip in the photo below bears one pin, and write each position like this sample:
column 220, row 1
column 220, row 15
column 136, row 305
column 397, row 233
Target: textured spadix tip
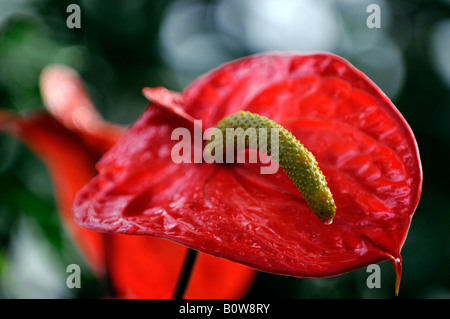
column 326, row 215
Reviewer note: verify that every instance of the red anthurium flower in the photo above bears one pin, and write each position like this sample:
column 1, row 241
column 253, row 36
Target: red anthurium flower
column 71, row 166
column 363, row 145
column 70, row 141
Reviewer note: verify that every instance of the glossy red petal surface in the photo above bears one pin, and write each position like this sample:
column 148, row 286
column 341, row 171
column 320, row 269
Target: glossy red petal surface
column 362, row 143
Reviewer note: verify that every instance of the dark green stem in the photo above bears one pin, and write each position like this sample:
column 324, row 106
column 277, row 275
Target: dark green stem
column 185, row 275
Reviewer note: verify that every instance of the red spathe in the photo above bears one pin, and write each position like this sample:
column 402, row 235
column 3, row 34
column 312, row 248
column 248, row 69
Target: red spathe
column 363, row 145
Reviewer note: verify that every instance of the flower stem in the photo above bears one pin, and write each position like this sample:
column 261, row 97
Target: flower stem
column 185, row 275
column 109, row 290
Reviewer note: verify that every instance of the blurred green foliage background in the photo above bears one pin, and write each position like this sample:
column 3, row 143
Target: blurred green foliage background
column 123, row 46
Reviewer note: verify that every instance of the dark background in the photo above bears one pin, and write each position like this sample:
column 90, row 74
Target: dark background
column 123, row 46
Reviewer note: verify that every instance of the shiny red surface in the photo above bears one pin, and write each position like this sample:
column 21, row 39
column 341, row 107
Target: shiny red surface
column 363, row 145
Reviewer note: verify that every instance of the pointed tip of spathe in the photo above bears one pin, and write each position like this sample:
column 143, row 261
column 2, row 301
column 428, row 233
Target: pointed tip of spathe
column 397, row 263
